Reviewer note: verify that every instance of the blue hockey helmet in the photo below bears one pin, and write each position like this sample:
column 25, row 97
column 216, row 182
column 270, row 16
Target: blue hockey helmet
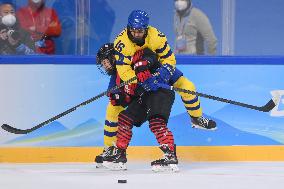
column 138, row 19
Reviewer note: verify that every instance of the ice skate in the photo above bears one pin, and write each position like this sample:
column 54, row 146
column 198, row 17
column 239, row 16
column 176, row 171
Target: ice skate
column 168, row 163
column 203, row 123
column 100, row 158
column 117, row 161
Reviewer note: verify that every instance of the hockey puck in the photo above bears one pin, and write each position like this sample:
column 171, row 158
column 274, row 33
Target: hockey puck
column 122, row 181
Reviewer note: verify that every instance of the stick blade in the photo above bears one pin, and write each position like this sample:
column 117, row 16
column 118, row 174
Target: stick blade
column 269, row 106
column 14, row 130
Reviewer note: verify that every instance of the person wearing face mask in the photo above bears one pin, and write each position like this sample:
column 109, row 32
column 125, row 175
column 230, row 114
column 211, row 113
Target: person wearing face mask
column 13, row 40
column 193, row 30
column 42, row 23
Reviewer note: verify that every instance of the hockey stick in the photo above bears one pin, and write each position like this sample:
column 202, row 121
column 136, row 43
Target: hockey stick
column 14, row 130
column 266, row 108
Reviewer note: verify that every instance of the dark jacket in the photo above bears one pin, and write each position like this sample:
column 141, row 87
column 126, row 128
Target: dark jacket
column 25, row 45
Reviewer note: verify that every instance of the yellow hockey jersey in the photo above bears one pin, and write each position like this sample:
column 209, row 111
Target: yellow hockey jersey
column 125, row 49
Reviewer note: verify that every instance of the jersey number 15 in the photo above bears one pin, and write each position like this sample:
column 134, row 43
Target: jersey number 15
column 119, row 46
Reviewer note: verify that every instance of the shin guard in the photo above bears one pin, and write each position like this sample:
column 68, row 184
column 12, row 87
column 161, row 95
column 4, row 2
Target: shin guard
column 124, row 132
column 163, row 135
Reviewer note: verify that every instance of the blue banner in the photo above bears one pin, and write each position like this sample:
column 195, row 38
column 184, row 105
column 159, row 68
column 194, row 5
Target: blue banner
column 31, row 94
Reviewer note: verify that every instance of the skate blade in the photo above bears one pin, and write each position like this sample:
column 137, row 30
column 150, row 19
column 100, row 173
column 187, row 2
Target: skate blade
column 114, row 166
column 203, row 128
column 99, row 166
column 168, row 168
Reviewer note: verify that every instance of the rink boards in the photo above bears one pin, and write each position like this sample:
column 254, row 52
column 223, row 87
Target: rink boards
column 143, row 153
column 38, row 88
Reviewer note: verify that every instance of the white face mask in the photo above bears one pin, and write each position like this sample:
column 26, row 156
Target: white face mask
column 9, row 20
column 36, row 1
column 181, row 5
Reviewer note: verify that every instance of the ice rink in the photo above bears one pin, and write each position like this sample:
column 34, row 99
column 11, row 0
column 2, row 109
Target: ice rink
column 236, row 175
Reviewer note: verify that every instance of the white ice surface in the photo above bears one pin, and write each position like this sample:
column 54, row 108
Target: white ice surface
column 248, row 175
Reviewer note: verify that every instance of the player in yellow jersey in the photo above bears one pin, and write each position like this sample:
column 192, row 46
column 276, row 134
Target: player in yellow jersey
column 139, row 35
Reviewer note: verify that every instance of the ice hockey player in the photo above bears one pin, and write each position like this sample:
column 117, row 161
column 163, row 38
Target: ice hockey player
column 139, row 35
column 118, row 101
column 137, row 111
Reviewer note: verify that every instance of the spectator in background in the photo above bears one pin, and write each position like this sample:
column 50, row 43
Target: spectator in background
column 42, row 23
column 13, row 40
column 193, row 30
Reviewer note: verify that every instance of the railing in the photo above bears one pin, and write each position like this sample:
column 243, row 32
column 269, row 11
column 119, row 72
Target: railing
column 181, row 60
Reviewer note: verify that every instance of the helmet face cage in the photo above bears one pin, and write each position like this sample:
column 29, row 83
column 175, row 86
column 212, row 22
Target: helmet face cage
column 106, row 52
column 107, row 71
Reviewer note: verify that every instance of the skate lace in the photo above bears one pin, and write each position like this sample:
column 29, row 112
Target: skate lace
column 107, row 151
column 203, row 121
column 167, row 155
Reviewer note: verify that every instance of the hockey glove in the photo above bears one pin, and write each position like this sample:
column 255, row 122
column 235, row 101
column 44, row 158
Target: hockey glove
column 165, row 72
column 142, row 71
column 130, row 89
column 119, row 99
column 151, row 84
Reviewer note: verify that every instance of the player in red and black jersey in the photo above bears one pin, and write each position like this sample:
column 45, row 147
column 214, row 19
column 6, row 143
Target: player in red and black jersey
column 145, row 101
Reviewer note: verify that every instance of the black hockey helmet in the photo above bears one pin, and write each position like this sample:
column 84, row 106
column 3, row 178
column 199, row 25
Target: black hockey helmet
column 106, row 53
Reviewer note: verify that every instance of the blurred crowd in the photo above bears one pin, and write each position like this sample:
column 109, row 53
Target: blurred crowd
column 33, row 27
column 29, row 30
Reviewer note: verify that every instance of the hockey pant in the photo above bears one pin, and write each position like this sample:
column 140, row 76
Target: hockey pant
column 154, row 107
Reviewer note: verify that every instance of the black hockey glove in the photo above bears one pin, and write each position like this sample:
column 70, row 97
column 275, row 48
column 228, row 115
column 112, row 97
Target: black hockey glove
column 119, row 99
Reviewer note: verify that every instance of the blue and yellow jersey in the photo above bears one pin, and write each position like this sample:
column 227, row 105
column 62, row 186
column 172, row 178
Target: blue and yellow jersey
column 125, row 49
column 115, row 80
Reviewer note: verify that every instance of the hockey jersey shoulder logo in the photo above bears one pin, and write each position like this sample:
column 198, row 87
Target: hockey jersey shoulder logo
column 155, row 32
